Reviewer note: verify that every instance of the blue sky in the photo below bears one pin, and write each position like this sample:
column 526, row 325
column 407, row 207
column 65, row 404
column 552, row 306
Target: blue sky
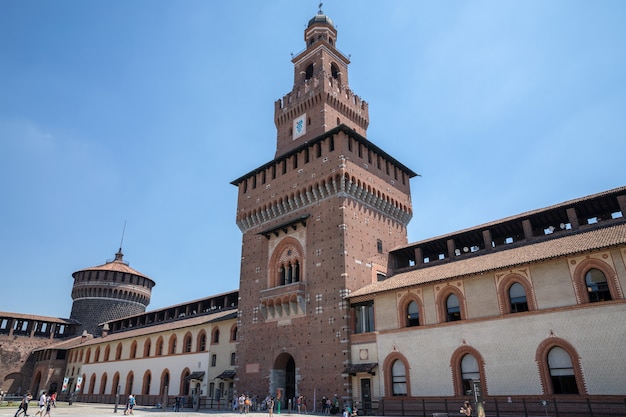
column 144, row 111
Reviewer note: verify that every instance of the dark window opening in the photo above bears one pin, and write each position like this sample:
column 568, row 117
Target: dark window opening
column 309, row 72
column 364, row 317
column 597, row 286
column 561, row 372
column 517, row 296
column 412, row 315
column 453, row 308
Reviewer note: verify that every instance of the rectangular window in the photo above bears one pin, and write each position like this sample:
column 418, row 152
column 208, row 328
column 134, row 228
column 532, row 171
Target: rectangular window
column 214, row 360
column 363, row 317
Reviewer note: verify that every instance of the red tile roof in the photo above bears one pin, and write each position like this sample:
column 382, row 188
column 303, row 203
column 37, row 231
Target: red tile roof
column 554, row 248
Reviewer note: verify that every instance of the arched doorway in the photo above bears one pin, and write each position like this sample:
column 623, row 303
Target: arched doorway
column 283, row 379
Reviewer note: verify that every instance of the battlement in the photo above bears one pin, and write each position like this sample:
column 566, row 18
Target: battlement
column 318, row 84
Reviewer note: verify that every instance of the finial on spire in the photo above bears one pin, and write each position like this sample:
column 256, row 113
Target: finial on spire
column 119, row 255
column 320, row 6
column 122, row 240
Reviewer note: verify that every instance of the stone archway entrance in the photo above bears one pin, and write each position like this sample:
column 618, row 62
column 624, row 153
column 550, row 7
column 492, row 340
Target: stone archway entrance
column 283, row 379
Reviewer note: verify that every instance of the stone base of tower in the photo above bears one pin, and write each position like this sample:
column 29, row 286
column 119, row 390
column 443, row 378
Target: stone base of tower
column 91, row 312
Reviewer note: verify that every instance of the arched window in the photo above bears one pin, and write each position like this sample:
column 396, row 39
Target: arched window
column 133, row 350
column 130, row 379
column 309, row 72
column 146, row 348
column 469, row 372
column 107, row 353
column 147, row 380
column 233, row 333
column 597, row 286
column 334, row 71
column 596, row 281
column 517, row 298
column 561, row 372
column 296, row 271
column 453, row 308
column 172, row 345
column 159, row 347
column 115, row 384
column 412, row 314
column 88, row 355
column 281, row 275
column 202, row 342
column 118, row 352
column 92, row 384
column 96, row 356
column 187, row 343
column 216, row 336
column 165, row 383
column 184, row 390
column 398, row 378
column 103, row 383
column 286, row 263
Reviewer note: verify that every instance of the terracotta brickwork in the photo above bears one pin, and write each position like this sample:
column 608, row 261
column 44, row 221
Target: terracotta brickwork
column 317, row 222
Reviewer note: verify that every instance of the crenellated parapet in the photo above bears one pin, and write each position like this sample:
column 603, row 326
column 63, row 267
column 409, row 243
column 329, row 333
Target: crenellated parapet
column 332, row 186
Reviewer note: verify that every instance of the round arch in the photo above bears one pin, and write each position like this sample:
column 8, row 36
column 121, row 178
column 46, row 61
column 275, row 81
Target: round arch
column 503, row 292
column 403, row 305
column 580, row 286
column 541, row 357
column 455, row 366
column 388, row 373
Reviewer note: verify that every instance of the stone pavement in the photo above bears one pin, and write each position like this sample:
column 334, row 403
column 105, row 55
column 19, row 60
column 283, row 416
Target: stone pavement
column 87, row 410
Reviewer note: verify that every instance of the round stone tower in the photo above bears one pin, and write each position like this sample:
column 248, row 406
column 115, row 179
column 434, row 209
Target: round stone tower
column 108, row 292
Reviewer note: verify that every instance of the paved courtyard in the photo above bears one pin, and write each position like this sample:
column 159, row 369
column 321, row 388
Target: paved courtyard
column 86, row 410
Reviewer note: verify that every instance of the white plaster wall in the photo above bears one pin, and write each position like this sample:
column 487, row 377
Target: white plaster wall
column 508, row 346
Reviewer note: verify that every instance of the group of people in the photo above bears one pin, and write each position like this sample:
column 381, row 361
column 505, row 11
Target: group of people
column 179, row 402
column 46, row 402
column 330, row 405
column 245, row 403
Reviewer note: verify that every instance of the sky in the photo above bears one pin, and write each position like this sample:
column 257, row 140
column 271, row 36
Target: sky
column 132, row 118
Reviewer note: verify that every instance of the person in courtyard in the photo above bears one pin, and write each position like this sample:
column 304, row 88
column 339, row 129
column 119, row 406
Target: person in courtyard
column 48, row 407
column 466, row 409
column 23, row 407
column 270, row 406
column 43, row 400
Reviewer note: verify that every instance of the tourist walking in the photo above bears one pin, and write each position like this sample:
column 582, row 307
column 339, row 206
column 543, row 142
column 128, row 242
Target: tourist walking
column 23, row 408
column 43, row 400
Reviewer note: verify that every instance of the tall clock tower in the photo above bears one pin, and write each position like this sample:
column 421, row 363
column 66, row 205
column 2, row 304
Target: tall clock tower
column 317, row 221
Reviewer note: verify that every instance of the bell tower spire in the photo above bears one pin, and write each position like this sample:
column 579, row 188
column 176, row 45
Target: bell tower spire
column 321, row 98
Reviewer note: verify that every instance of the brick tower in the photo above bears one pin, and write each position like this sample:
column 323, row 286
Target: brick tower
column 317, row 222
column 108, row 292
